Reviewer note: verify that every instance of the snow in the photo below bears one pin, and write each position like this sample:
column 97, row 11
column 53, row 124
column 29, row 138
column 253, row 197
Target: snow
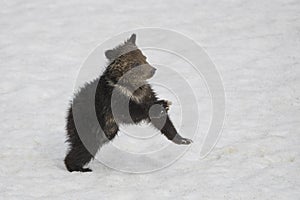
column 255, row 46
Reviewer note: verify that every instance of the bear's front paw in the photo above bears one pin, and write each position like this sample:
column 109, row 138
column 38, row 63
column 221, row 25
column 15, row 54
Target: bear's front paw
column 180, row 140
column 165, row 103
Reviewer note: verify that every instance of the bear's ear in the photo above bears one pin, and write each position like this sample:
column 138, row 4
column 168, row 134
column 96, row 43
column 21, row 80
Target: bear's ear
column 110, row 54
column 132, row 39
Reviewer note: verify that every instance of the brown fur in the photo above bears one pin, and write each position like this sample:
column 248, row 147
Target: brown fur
column 122, row 86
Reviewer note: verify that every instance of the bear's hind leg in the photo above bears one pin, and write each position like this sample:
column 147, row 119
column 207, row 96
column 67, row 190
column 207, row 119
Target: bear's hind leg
column 77, row 157
column 81, row 153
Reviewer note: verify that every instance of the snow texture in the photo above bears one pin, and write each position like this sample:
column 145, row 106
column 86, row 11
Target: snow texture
column 255, row 46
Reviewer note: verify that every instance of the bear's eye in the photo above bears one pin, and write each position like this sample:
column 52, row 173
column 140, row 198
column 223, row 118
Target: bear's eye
column 136, row 64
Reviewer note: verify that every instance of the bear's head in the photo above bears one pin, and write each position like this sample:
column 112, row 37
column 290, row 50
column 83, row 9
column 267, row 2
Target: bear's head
column 128, row 64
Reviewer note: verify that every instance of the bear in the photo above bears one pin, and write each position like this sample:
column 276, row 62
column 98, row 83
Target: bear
column 121, row 94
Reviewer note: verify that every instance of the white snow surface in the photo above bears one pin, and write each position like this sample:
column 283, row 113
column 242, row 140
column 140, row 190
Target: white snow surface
column 255, row 46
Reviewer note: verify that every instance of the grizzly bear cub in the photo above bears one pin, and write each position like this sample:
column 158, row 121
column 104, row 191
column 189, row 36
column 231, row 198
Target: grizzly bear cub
column 120, row 95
